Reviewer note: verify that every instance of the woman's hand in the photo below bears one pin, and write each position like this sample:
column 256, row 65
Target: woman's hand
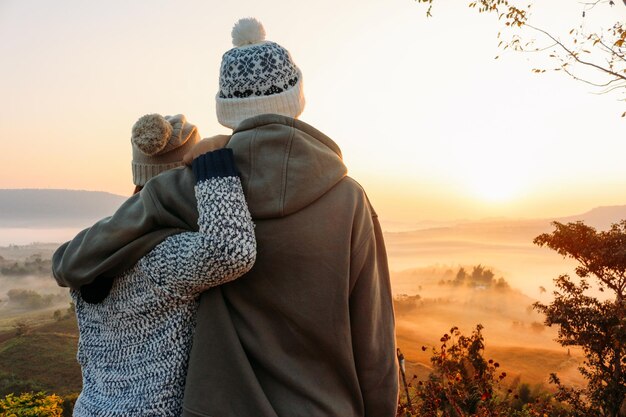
column 204, row 146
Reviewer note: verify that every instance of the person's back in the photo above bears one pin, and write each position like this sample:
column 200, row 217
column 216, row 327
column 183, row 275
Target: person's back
column 309, row 330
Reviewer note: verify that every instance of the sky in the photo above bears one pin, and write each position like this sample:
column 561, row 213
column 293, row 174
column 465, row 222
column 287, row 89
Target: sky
column 429, row 122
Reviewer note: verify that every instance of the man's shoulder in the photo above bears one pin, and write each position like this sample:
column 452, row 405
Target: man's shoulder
column 349, row 186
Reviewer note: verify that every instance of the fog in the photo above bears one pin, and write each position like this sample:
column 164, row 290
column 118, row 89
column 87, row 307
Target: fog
column 504, row 246
column 424, row 266
column 429, row 302
column 27, row 235
column 27, row 288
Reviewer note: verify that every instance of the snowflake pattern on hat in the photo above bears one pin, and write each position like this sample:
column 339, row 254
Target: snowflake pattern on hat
column 262, row 69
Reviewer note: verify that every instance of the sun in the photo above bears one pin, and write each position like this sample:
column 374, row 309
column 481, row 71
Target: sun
column 495, row 186
column 494, row 191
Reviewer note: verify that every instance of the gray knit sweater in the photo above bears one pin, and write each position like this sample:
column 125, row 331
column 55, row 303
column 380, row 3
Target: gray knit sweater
column 134, row 346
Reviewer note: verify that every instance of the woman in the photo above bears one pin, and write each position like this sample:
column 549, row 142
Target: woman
column 134, row 345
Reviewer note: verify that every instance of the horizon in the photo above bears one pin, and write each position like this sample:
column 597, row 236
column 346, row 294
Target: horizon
column 392, row 225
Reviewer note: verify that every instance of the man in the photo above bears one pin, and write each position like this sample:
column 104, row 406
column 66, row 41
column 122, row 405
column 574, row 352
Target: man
column 309, row 331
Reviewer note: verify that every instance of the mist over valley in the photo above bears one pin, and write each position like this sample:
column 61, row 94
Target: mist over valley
column 443, row 275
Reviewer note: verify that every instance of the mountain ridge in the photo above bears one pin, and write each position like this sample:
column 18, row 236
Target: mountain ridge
column 41, row 207
column 51, row 207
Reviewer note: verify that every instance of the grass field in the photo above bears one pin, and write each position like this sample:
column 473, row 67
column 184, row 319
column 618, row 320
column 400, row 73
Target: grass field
column 33, row 319
column 44, row 358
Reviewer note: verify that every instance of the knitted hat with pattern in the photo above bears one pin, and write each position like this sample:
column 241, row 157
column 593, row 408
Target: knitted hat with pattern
column 257, row 77
column 159, row 143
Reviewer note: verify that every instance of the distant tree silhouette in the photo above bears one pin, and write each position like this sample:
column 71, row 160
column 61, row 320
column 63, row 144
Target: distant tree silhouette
column 597, row 324
column 32, row 299
column 33, row 265
column 481, row 277
column 460, row 277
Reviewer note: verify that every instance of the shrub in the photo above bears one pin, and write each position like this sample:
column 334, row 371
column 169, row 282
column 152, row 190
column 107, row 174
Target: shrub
column 21, row 328
column 31, row 405
column 464, row 383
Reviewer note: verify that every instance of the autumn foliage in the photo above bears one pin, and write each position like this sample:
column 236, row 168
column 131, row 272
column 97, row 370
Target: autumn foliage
column 31, row 405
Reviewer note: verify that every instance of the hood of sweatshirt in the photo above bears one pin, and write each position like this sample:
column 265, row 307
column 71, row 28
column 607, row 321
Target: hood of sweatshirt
column 285, row 164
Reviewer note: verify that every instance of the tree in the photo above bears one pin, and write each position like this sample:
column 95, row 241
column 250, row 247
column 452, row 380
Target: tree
column 460, row 278
column 596, row 57
column 597, row 324
column 482, row 277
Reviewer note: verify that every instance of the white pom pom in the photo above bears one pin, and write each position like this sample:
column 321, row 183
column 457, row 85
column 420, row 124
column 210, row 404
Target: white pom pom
column 248, row 31
column 151, row 133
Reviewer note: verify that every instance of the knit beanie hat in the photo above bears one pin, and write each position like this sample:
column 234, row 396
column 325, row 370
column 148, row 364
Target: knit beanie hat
column 257, row 77
column 159, row 143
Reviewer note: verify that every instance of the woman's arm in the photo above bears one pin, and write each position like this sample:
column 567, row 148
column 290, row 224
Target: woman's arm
column 223, row 249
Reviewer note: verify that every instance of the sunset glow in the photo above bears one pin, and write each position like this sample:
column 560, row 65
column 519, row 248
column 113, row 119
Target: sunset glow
column 494, row 189
column 408, row 99
column 496, row 183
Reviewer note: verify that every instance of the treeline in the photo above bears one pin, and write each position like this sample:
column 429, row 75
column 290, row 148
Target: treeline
column 481, row 277
column 32, row 300
column 33, row 265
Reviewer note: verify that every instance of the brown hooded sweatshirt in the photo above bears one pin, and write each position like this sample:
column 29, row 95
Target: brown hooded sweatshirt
column 309, row 331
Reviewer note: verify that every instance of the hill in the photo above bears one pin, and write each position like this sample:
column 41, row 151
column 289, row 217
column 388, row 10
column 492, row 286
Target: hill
column 55, row 208
column 509, row 230
column 504, row 244
column 600, row 217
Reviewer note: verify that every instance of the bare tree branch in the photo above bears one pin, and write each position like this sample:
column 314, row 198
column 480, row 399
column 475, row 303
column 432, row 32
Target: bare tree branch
column 612, row 51
column 575, row 55
column 591, row 5
column 608, row 90
column 602, row 52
